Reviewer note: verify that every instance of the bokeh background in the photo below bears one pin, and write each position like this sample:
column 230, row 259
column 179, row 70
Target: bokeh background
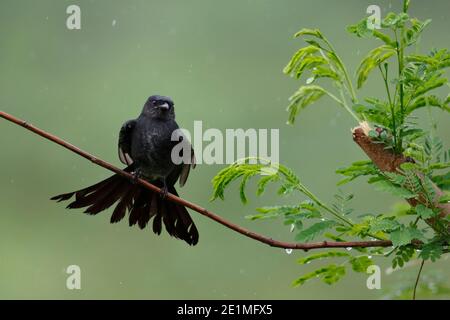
column 221, row 62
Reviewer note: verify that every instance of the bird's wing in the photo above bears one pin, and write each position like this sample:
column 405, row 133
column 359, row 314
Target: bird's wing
column 125, row 135
column 187, row 166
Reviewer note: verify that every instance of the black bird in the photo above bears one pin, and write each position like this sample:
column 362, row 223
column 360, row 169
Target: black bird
column 145, row 146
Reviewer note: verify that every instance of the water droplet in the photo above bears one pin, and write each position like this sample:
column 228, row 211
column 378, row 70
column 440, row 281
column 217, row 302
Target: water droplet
column 292, row 227
column 370, row 257
column 310, row 80
column 288, row 251
column 113, row 22
column 323, row 219
column 348, row 248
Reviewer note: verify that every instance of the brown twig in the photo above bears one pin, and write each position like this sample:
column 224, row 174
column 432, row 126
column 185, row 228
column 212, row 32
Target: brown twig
column 193, row 206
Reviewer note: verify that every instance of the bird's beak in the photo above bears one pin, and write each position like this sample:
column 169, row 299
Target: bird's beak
column 164, row 106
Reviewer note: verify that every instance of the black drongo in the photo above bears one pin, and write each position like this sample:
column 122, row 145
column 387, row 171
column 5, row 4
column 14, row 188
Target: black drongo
column 145, row 146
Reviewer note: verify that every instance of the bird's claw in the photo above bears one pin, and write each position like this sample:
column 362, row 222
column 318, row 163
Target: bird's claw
column 136, row 175
column 164, row 191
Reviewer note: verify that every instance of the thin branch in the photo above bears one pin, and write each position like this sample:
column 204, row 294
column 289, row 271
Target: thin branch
column 417, row 279
column 250, row 234
column 389, row 161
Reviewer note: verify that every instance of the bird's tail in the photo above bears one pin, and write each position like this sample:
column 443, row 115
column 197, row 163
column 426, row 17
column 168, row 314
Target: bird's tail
column 141, row 204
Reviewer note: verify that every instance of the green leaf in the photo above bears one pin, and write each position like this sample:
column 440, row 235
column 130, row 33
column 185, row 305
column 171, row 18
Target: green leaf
column 322, row 255
column 429, row 85
column 305, row 96
column 262, row 183
column 384, row 37
column 393, row 20
column 375, row 57
column 405, row 235
column 284, row 210
column 431, row 251
column 383, row 224
column 444, row 198
column 298, row 57
column 325, row 72
column 357, row 169
column 442, row 181
column 360, row 29
column 333, row 274
column 403, row 255
column 360, row 264
column 386, row 186
column 424, row 212
column 309, row 32
column 425, row 101
column 395, row 178
column 231, row 173
column 242, row 189
column 313, row 231
column 329, row 274
column 413, row 34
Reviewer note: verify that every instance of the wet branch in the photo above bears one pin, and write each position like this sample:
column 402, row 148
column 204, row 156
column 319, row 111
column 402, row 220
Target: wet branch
column 250, row 234
column 388, row 161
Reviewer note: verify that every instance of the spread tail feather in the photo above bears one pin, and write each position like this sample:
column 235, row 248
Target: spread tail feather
column 141, row 204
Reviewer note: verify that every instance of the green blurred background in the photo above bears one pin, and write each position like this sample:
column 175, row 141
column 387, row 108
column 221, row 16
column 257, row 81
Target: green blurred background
column 221, row 62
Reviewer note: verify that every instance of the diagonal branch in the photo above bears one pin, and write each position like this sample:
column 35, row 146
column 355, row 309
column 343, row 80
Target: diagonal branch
column 250, row 234
column 388, row 161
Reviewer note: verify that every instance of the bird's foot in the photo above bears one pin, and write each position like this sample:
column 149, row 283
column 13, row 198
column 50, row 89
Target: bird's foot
column 164, row 190
column 136, row 175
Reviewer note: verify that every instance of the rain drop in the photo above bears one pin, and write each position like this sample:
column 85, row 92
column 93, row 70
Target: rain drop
column 288, row 251
column 292, row 227
column 370, row 257
column 310, row 80
column 348, row 248
column 113, row 22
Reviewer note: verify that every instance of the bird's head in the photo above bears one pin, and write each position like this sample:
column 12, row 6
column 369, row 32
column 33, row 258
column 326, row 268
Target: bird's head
column 160, row 107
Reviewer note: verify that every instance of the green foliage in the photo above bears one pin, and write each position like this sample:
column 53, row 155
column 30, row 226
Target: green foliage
column 342, row 203
column 305, row 96
column 322, row 255
column 402, row 256
column 315, row 230
column 383, row 224
column 329, row 274
column 373, row 59
column 360, row 264
column 431, row 251
column 424, row 212
column 357, row 169
column 405, row 235
column 393, row 189
column 410, row 80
